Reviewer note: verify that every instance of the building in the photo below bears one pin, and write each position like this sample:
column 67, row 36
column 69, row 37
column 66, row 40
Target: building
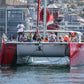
column 13, row 2
column 70, row 17
column 11, row 13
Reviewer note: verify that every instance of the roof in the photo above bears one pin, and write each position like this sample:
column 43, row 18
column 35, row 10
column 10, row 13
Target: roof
column 52, row 6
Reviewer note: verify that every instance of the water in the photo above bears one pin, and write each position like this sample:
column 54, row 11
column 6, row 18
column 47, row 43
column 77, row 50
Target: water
column 41, row 75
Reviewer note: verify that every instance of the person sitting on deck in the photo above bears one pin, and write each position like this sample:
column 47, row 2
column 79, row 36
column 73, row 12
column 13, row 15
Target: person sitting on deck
column 73, row 37
column 66, row 38
column 60, row 39
column 23, row 38
column 52, row 37
column 39, row 38
column 30, row 37
column 46, row 39
column 42, row 39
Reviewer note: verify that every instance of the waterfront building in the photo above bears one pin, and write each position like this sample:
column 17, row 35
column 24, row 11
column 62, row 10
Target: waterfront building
column 13, row 2
column 11, row 13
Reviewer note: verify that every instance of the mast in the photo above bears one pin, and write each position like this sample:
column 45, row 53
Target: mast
column 45, row 1
column 38, row 16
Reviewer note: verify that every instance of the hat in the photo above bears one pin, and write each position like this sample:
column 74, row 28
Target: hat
column 52, row 32
column 73, row 34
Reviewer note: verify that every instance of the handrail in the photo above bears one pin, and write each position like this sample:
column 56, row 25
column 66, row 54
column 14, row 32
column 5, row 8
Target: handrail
column 60, row 31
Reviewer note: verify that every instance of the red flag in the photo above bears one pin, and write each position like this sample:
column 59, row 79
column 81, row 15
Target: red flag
column 50, row 21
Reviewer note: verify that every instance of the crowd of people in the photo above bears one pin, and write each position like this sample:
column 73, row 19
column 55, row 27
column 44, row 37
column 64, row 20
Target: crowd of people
column 33, row 37
column 49, row 38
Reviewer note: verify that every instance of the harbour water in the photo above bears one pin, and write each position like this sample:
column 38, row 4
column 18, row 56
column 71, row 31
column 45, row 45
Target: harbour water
column 26, row 74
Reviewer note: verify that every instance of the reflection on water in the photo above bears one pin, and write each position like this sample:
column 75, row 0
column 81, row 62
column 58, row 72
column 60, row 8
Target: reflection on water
column 77, row 75
column 41, row 75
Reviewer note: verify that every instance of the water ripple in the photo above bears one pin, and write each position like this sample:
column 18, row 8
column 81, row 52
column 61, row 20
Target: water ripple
column 41, row 75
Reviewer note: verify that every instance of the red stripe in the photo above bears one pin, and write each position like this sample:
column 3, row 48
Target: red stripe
column 76, row 54
column 8, row 54
column 2, row 50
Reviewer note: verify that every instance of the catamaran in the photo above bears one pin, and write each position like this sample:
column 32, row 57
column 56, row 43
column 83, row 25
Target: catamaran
column 35, row 52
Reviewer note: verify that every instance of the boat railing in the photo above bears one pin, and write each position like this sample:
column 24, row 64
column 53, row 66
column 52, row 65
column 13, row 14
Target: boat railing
column 57, row 32
column 37, row 43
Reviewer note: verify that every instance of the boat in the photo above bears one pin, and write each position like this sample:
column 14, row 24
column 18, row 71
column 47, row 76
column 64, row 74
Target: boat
column 21, row 52
column 13, row 53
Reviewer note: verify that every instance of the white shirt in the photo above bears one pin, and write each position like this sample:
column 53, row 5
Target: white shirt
column 73, row 39
column 54, row 36
column 60, row 40
column 21, row 27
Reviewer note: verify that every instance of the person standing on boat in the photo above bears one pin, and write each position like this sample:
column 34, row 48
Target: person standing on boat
column 20, row 28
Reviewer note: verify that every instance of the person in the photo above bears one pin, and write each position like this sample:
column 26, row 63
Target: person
column 4, row 38
column 60, row 39
column 42, row 39
column 73, row 37
column 20, row 28
column 66, row 38
column 38, row 38
column 46, row 39
column 52, row 37
column 23, row 38
column 30, row 37
column 34, row 36
column 52, row 34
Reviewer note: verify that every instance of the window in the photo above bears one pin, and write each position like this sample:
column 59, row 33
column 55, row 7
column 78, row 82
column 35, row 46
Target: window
column 3, row 1
column 15, row 15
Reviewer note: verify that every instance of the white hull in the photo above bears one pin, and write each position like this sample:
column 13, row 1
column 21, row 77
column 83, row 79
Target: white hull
column 43, row 53
column 42, row 49
column 34, row 53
